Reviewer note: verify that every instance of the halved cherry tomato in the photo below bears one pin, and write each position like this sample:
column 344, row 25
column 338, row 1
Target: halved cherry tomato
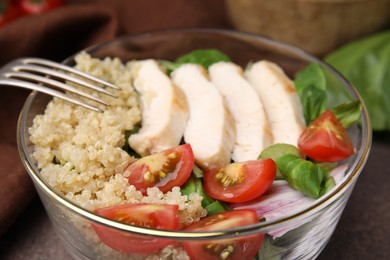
column 159, row 216
column 245, row 247
column 9, row 11
column 240, row 182
column 164, row 170
column 39, row 6
column 325, row 139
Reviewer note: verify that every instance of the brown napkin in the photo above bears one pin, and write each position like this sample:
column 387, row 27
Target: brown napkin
column 62, row 32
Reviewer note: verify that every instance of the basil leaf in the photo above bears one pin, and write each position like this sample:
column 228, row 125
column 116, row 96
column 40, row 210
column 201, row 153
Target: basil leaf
column 302, row 175
column 348, row 113
column 276, row 151
column 327, row 185
column 127, row 147
column 366, row 64
column 310, row 84
column 269, row 250
column 197, row 171
column 215, row 208
column 204, row 57
column 194, row 184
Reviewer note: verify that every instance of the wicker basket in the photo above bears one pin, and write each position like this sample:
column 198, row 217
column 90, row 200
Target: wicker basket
column 317, row 26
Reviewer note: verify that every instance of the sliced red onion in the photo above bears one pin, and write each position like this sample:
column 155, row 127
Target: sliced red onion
column 282, row 200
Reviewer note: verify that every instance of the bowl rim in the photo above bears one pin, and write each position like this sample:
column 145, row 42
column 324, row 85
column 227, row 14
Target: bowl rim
column 352, row 173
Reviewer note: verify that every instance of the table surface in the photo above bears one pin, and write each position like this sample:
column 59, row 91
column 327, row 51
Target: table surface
column 362, row 233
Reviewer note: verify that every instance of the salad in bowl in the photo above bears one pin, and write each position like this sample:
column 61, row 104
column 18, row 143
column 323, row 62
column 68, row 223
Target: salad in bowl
column 219, row 145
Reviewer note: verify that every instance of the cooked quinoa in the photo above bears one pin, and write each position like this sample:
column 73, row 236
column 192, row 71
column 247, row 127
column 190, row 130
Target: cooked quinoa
column 79, row 152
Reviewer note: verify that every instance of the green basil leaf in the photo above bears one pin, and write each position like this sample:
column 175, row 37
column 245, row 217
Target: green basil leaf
column 189, row 186
column 276, row 151
column 204, row 57
column 127, row 147
column 366, row 64
column 310, row 84
column 215, row 208
column 327, row 185
column 348, row 113
column 194, row 184
column 302, row 175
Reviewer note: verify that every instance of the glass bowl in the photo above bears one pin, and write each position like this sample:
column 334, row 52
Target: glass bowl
column 308, row 229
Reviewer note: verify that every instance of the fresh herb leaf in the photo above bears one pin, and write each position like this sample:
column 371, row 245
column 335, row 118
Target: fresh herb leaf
column 215, row 207
column 204, row 57
column 327, row 185
column 348, row 113
column 278, row 150
column 366, row 64
column 302, row 175
column 269, row 250
column 310, row 84
column 194, row 184
column 197, row 171
column 127, row 147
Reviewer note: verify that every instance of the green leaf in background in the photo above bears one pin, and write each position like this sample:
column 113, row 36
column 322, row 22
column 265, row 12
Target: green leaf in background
column 310, row 84
column 204, row 57
column 303, row 175
column 366, row 64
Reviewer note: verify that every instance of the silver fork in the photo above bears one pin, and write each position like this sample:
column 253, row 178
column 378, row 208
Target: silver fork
column 42, row 75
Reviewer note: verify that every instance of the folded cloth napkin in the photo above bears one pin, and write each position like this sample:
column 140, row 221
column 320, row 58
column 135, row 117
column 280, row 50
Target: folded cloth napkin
column 56, row 35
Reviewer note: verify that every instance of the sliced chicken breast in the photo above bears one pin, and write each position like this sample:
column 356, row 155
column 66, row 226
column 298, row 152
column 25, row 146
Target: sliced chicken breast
column 280, row 100
column 209, row 129
column 251, row 125
column 164, row 111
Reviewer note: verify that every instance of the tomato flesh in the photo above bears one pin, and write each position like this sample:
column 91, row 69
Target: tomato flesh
column 240, row 182
column 245, row 247
column 159, row 216
column 164, row 170
column 39, row 6
column 326, row 140
column 9, row 11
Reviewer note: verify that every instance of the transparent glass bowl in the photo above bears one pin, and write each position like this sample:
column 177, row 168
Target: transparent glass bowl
column 310, row 228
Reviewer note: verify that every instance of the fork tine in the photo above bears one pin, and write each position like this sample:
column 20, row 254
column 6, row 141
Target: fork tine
column 62, row 67
column 46, row 80
column 61, row 75
column 49, row 91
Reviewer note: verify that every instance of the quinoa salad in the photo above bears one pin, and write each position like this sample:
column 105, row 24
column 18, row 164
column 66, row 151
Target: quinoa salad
column 197, row 166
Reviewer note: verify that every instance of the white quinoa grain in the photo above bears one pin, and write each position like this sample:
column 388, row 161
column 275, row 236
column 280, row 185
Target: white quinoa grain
column 79, row 151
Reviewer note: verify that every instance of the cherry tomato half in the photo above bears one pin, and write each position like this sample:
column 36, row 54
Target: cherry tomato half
column 9, row 11
column 164, row 170
column 240, row 182
column 325, row 139
column 160, row 216
column 39, row 6
column 245, row 247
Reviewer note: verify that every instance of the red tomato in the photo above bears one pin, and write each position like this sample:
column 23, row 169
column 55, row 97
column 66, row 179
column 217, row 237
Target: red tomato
column 159, row 216
column 164, row 170
column 245, row 247
column 325, row 139
column 9, row 11
column 39, row 6
column 240, row 182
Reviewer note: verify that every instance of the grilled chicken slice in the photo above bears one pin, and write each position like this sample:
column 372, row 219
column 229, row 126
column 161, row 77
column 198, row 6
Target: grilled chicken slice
column 251, row 125
column 164, row 110
column 210, row 129
column 280, row 100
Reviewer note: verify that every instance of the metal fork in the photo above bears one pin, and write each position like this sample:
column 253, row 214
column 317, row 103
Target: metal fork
column 42, row 75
